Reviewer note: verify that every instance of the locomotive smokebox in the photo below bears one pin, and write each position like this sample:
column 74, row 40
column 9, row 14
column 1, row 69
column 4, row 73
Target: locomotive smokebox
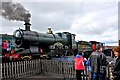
column 27, row 26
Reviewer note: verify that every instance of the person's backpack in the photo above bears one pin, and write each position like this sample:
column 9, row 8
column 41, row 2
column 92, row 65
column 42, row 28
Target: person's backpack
column 103, row 61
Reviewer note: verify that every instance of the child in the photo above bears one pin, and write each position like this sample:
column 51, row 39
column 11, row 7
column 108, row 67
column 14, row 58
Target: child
column 79, row 66
column 89, row 68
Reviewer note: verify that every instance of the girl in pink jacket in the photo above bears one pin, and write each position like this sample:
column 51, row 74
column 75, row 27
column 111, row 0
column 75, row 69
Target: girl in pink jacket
column 79, row 66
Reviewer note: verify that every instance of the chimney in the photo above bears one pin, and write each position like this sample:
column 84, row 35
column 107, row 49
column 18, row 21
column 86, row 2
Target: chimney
column 27, row 26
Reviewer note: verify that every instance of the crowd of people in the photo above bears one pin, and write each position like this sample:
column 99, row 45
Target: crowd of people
column 7, row 47
column 97, row 63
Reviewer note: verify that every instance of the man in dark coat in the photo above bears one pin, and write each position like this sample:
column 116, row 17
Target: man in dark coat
column 98, row 64
column 116, row 69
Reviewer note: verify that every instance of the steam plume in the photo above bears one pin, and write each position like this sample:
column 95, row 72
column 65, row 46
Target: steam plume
column 14, row 11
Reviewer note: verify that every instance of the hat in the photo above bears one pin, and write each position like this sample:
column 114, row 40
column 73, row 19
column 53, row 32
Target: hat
column 78, row 56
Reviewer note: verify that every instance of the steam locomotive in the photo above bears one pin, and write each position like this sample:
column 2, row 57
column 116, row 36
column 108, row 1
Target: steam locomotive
column 36, row 45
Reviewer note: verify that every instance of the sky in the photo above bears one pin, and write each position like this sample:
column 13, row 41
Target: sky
column 89, row 20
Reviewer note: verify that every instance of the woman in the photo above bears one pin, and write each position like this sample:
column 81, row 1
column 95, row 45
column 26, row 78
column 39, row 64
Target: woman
column 116, row 68
column 79, row 65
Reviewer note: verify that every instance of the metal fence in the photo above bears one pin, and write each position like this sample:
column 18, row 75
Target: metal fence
column 62, row 69
column 65, row 69
column 21, row 69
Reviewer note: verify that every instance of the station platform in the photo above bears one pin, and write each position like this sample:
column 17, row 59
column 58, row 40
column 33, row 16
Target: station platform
column 48, row 76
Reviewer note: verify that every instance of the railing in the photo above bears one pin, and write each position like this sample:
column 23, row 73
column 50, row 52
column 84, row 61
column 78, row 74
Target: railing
column 61, row 69
column 21, row 69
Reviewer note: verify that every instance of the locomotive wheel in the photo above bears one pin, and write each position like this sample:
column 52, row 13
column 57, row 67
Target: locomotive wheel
column 26, row 57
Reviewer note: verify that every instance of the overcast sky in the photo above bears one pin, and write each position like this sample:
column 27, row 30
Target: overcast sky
column 88, row 20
